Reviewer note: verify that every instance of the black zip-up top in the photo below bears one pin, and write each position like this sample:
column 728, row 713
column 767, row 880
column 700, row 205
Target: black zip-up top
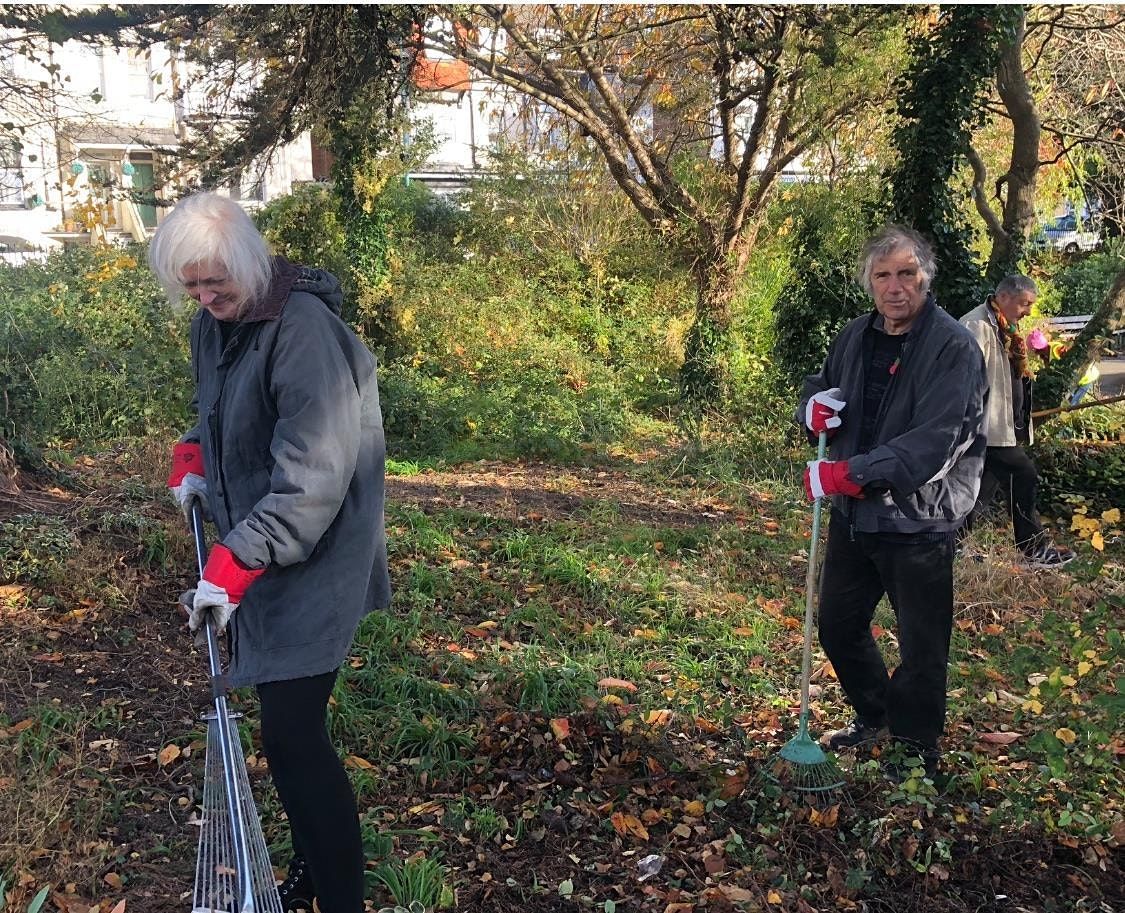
column 921, row 470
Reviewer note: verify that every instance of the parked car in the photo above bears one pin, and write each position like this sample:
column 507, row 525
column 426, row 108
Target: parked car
column 1066, row 234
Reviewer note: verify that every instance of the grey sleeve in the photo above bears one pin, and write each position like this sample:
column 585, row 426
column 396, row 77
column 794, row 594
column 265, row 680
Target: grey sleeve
column 947, row 416
column 315, row 446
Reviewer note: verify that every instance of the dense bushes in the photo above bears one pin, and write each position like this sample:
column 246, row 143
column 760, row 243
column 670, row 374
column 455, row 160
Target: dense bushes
column 1079, row 286
column 1082, row 461
column 497, row 338
column 826, row 228
column 89, row 349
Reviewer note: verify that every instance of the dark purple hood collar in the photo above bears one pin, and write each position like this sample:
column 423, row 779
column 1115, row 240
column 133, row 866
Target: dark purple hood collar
column 288, row 278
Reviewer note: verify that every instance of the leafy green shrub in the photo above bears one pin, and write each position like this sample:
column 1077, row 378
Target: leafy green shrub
column 90, row 349
column 306, row 227
column 508, row 343
column 33, row 548
column 1080, row 286
column 1083, row 461
column 827, row 228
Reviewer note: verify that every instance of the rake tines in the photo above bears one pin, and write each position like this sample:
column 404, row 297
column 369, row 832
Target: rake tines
column 218, row 881
column 232, row 870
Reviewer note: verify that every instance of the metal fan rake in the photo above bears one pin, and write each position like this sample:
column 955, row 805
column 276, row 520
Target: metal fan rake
column 232, row 869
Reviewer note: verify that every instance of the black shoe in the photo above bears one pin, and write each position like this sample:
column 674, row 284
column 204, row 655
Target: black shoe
column 856, row 733
column 1048, row 556
column 296, row 892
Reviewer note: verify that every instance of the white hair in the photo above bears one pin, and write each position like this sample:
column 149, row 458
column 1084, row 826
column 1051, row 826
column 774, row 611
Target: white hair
column 891, row 239
column 206, row 227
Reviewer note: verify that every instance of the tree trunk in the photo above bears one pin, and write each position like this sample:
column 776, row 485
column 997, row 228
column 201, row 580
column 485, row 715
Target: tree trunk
column 1019, row 196
column 704, row 373
column 1059, row 378
column 8, row 469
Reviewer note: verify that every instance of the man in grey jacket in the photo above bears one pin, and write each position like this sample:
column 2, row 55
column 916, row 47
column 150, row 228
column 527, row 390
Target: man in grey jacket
column 902, row 396
column 995, row 326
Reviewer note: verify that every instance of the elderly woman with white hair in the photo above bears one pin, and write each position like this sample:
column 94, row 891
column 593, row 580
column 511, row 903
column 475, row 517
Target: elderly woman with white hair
column 288, row 458
column 901, row 395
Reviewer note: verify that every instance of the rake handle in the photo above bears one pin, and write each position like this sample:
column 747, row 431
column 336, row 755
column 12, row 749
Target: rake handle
column 810, row 585
column 226, row 744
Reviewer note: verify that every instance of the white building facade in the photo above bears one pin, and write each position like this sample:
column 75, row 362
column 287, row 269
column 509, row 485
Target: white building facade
column 89, row 145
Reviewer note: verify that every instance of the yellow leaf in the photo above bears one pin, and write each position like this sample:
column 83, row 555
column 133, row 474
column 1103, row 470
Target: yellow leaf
column 1066, row 736
column 1083, row 668
column 1033, row 706
column 695, row 808
column 167, row 755
column 354, row 760
column 561, row 728
column 826, row 818
column 1112, row 516
column 1097, row 541
column 773, row 897
column 1069, row 680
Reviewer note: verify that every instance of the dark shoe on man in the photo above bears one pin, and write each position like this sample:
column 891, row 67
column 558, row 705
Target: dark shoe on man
column 856, row 733
column 296, row 892
column 1046, row 556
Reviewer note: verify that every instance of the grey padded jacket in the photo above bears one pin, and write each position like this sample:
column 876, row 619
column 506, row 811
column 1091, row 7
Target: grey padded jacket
column 293, row 451
column 922, row 473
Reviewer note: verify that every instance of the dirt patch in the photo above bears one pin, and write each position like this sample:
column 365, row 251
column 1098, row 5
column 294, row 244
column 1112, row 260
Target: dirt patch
column 539, row 491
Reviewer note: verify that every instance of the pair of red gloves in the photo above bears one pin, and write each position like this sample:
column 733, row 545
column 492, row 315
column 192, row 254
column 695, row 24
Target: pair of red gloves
column 225, row 577
column 824, row 478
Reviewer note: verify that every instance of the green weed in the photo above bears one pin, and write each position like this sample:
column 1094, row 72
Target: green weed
column 415, row 882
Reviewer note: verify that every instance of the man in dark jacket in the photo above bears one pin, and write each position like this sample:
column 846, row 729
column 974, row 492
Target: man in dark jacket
column 902, row 396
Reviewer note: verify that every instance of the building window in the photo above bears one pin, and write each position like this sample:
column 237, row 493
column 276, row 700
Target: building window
column 139, row 70
column 11, row 174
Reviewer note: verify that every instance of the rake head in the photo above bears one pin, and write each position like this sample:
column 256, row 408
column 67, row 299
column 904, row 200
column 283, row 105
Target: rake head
column 219, row 885
column 802, row 766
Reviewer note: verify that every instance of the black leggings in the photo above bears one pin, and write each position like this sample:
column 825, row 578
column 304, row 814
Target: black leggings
column 314, row 788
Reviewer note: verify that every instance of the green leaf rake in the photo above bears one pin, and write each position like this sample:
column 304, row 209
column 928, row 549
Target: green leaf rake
column 802, row 764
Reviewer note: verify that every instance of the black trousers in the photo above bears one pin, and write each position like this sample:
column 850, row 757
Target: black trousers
column 1012, row 471
column 917, row 576
column 314, row 788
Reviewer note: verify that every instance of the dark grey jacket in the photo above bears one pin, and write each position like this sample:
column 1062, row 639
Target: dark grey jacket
column 923, row 472
column 293, row 449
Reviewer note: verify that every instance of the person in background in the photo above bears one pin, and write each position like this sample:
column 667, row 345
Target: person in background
column 902, row 396
column 995, row 326
column 288, row 459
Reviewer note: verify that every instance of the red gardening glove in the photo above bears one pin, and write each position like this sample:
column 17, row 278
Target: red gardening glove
column 223, row 569
column 187, row 477
column 822, row 411
column 187, row 458
column 830, row 477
